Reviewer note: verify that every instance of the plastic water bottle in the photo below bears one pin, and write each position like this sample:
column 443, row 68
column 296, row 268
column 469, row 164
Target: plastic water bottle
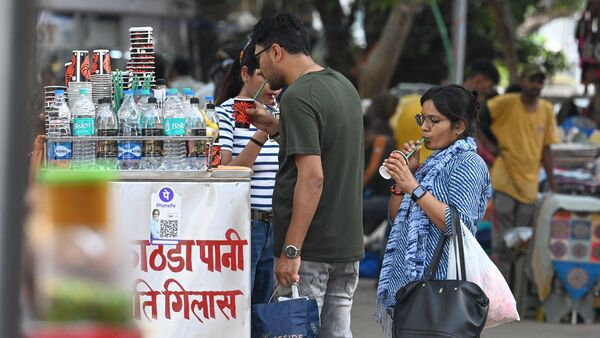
column 152, row 125
column 144, row 96
column 196, row 126
column 83, row 115
column 106, row 125
column 160, row 92
column 188, row 93
column 174, row 121
column 130, row 152
column 212, row 126
column 59, row 124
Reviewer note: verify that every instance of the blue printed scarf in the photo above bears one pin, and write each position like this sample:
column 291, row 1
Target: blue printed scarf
column 393, row 275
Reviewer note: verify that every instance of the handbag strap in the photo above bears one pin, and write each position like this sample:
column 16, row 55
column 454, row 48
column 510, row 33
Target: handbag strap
column 436, row 258
column 458, row 238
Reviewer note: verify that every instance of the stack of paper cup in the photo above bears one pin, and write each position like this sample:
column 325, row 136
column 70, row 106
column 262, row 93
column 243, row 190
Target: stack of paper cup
column 142, row 64
column 77, row 74
column 101, row 75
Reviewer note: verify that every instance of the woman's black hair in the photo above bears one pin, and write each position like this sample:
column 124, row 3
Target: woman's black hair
column 457, row 104
column 232, row 82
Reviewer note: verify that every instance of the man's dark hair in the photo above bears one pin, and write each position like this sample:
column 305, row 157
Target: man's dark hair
column 486, row 68
column 283, row 29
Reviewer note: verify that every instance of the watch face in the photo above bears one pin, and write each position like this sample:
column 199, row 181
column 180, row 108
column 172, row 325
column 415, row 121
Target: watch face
column 417, row 193
column 291, row 251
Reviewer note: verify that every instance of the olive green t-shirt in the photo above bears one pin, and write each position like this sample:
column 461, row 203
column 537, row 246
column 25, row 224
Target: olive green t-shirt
column 321, row 114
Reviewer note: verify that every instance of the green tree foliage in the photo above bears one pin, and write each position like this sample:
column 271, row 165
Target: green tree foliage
column 531, row 49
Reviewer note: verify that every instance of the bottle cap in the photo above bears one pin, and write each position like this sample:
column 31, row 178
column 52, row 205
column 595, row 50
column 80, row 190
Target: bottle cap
column 59, row 92
column 161, row 82
column 146, row 92
column 208, row 98
column 195, row 100
column 128, row 92
column 84, row 91
column 152, row 100
column 172, row 91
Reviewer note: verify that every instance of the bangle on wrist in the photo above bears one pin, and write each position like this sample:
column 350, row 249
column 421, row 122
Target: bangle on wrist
column 394, row 191
column 257, row 142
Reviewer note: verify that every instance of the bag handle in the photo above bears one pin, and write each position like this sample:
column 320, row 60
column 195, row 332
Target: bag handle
column 295, row 293
column 457, row 236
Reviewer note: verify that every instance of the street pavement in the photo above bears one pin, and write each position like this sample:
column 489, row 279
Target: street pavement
column 364, row 325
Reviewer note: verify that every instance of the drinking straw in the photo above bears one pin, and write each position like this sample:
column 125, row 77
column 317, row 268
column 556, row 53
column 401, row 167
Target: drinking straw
column 259, row 90
column 410, row 154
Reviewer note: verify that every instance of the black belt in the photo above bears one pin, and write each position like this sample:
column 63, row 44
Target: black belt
column 261, row 215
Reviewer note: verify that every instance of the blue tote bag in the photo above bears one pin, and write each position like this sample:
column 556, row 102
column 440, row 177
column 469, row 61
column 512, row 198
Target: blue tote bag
column 296, row 317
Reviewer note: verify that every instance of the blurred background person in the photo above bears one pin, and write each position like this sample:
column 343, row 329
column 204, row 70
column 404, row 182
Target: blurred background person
column 525, row 127
column 180, row 76
column 379, row 143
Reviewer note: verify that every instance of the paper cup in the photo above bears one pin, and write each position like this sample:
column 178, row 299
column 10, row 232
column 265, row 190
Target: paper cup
column 240, row 105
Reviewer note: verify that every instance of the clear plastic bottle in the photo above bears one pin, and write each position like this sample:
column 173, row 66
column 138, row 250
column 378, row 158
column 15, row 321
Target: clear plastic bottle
column 188, row 93
column 144, row 96
column 59, row 124
column 160, row 92
column 174, row 121
column 106, row 125
column 195, row 125
column 83, row 115
column 130, row 152
column 152, row 125
column 213, row 123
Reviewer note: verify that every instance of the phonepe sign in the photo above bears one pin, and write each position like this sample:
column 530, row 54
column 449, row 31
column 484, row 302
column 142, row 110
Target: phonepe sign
column 166, row 194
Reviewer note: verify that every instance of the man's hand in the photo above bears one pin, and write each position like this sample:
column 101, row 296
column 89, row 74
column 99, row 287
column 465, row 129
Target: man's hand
column 287, row 270
column 262, row 119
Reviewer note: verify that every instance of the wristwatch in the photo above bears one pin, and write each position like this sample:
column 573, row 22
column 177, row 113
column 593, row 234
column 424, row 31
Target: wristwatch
column 291, row 251
column 417, row 193
column 274, row 137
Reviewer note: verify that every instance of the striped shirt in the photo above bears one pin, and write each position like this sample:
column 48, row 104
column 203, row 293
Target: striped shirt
column 266, row 165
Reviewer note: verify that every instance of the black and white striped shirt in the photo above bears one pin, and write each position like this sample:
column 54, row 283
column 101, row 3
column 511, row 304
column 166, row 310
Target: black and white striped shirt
column 266, row 165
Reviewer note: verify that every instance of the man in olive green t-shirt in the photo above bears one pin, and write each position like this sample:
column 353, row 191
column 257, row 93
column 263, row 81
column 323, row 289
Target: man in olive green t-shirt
column 317, row 201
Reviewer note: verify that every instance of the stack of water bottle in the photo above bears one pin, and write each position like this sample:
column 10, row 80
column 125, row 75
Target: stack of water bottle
column 180, row 115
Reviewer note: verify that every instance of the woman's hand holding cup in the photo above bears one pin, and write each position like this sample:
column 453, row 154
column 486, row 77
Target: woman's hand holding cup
column 412, row 154
column 398, row 168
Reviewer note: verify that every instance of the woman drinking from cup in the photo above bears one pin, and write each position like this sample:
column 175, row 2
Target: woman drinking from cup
column 419, row 205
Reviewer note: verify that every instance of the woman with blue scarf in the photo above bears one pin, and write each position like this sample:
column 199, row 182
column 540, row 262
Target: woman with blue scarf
column 419, row 205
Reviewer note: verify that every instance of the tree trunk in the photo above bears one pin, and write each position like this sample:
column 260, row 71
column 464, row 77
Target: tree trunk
column 336, row 26
column 376, row 74
column 504, row 23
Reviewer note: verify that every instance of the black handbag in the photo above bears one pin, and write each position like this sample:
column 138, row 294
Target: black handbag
column 441, row 308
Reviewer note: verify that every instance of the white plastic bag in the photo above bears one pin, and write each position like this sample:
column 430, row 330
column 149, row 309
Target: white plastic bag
column 483, row 272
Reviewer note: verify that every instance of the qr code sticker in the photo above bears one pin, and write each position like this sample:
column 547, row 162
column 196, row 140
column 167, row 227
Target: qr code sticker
column 169, row 228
